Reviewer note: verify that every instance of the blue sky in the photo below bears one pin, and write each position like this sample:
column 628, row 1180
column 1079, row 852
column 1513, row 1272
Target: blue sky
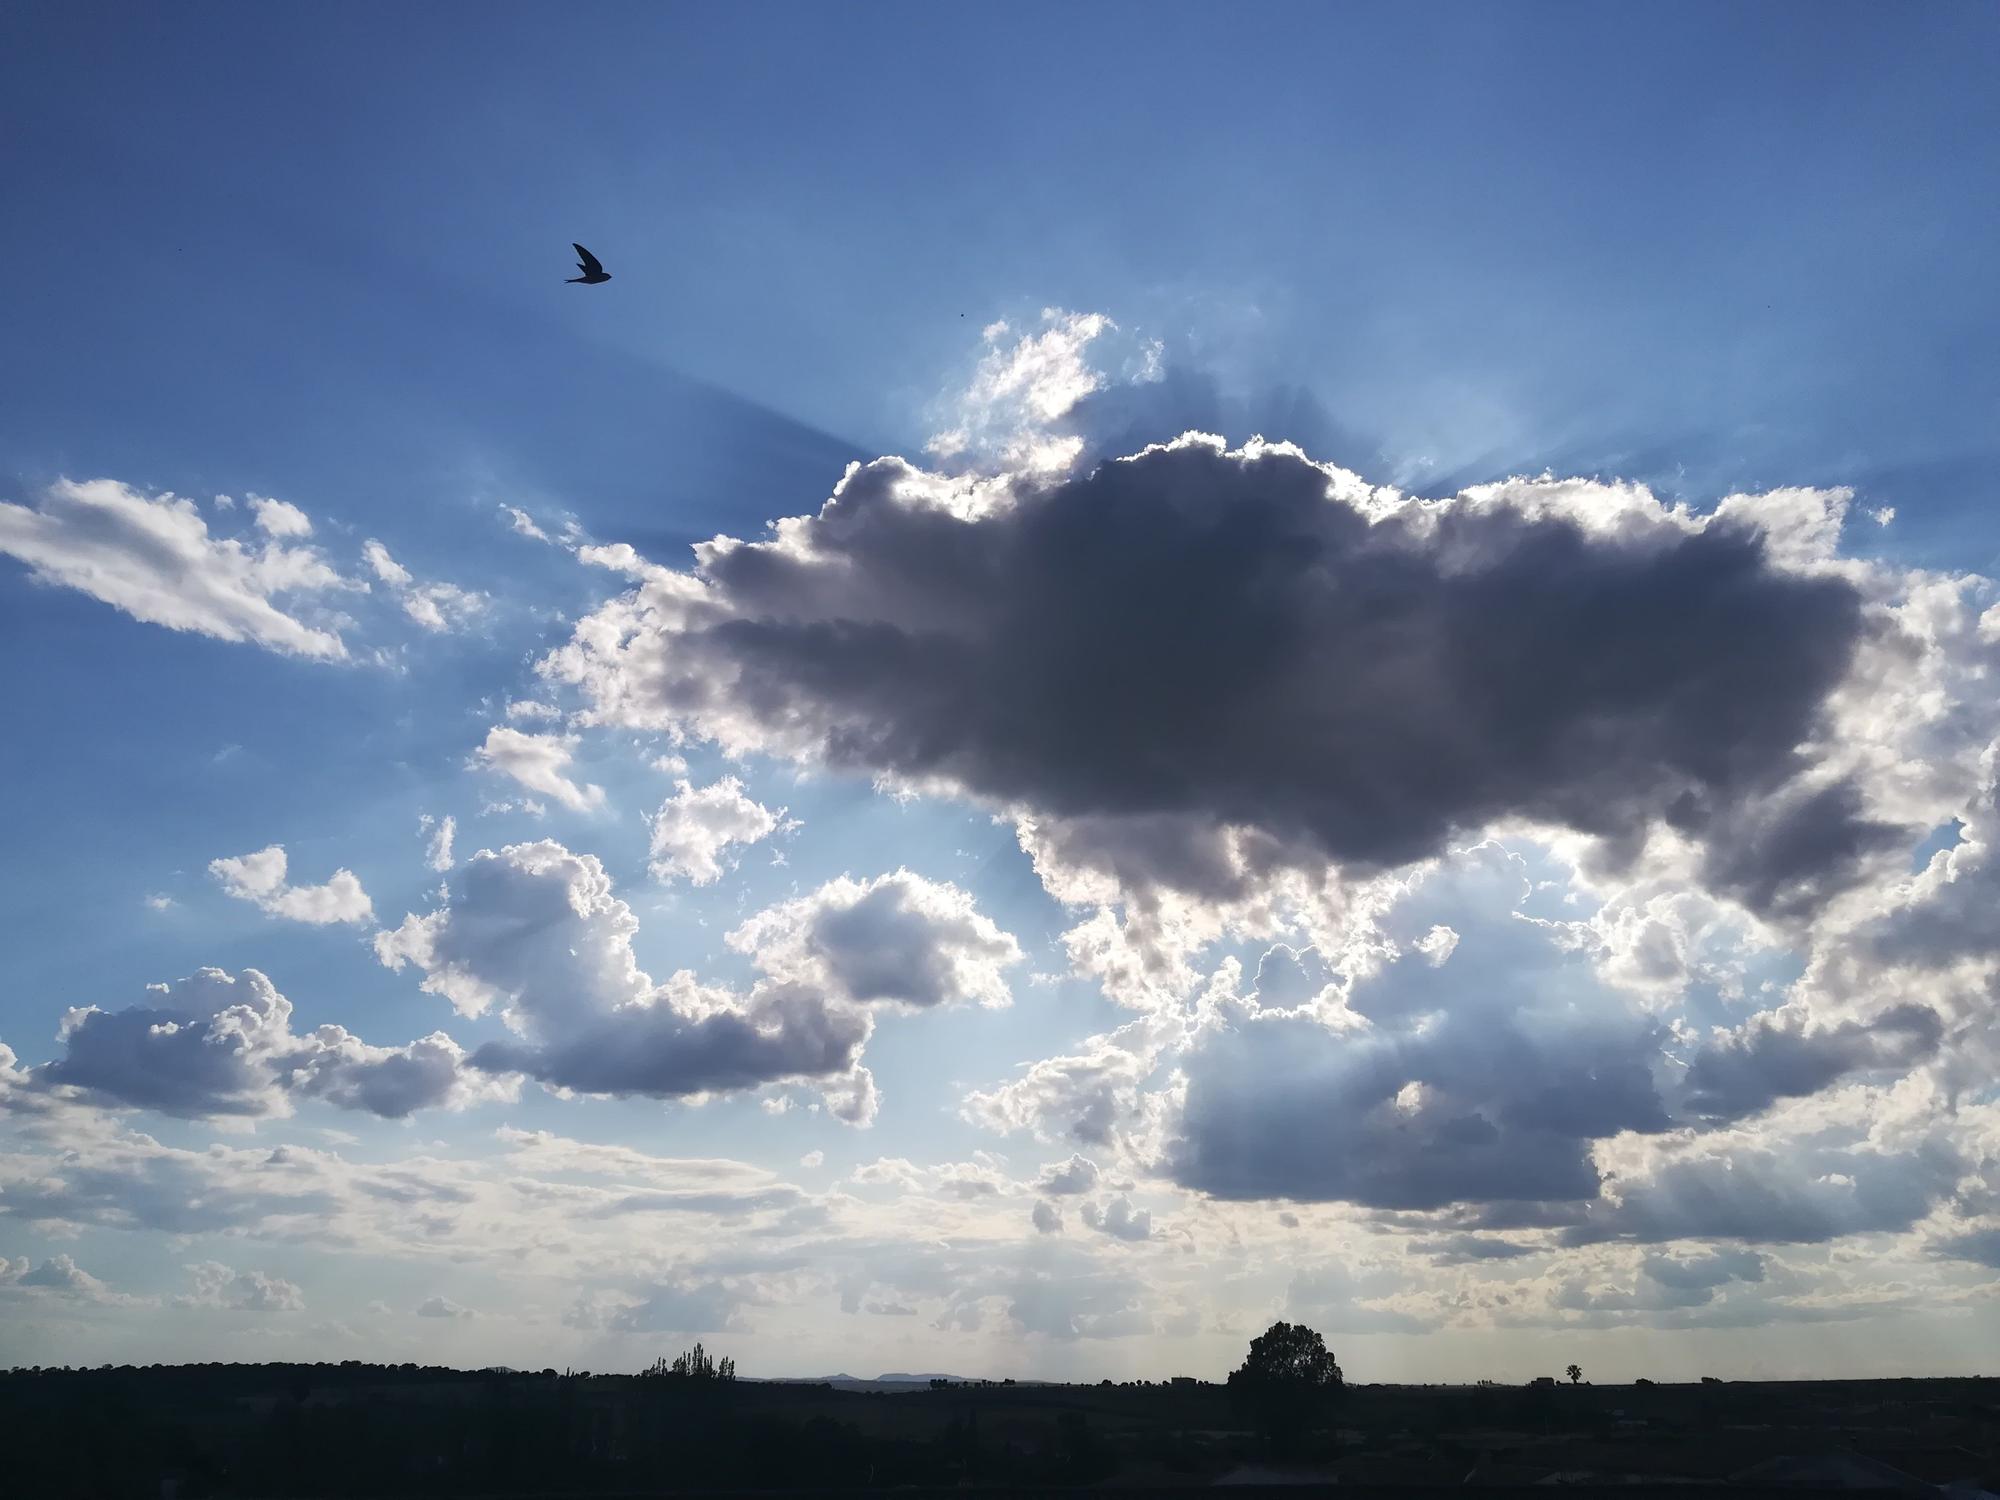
column 317, row 256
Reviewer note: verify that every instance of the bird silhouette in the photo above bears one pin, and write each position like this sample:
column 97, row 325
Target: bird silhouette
column 592, row 268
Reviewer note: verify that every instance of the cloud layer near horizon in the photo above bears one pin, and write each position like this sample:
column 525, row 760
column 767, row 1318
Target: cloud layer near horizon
column 1496, row 911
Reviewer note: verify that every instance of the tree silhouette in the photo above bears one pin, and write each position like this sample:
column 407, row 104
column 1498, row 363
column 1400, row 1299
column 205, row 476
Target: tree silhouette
column 1575, row 1373
column 692, row 1364
column 1287, row 1383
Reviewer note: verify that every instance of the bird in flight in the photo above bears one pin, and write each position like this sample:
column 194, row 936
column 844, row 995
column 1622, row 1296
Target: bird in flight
column 592, row 268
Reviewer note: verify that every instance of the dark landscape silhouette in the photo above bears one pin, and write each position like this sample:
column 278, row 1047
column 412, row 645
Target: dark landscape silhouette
column 689, row 1425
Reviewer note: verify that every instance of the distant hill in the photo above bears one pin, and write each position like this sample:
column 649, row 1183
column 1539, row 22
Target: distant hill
column 893, row 1381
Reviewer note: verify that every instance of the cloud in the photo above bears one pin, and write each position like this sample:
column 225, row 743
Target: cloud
column 57, row 1276
column 852, row 1097
column 133, row 1182
column 1705, row 1271
column 539, row 762
column 386, row 567
column 965, row 1181
column 1469, row 1250
column 669, row 1307
column 276, row 518
column 217, row 1285
column 523, row 523
column 433, row 1072
column 1047, row 1218
column 1062, row 1179
column 214, row 1045
column 1082, row 1096
column 1783, row 1193
column 442, row 1307
column 208, row 1045
column 543, row 1208
column 543, row 1205
column 693, row 827
column 1465, row 1113
column 536, row 930
column 1669, row 1286
column 1117, row 1218
column 1782, row 1054
column 1418, row 1090
column 1437, row 946
column 897, row 939
column 1020, row 390
column 1288, row 977
column 1196, row 665
column 260, row 879
column 153, row 558
column 542, row 1151
column 1338, row 1297
column 1980, row 1246
column 1056, row 1290
column 435, row 606
column 439, row 855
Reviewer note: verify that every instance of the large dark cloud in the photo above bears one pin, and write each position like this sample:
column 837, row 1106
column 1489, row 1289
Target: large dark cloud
column 1191, row 639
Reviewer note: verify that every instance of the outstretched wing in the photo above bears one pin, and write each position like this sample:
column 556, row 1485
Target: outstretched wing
column 590, row 265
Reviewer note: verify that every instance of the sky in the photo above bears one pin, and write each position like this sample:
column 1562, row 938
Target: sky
column 1147, row 668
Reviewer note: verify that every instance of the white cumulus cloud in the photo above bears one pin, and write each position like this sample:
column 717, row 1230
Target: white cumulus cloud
column 695, row 825
column 277, row 518
column 1023, row 384
column 442, row 831
column 217, row 1285
column 153, row 557
column 435, row 606
column 523, row 523
column 539, row 762
column 57, row 1276
column 260, row 879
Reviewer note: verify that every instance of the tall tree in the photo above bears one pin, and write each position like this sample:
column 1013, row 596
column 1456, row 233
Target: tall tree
column 693, row 1364
column 1287, row 1384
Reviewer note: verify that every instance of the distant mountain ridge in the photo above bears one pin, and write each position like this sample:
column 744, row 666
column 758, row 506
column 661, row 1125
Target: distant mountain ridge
column 895, row 1378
